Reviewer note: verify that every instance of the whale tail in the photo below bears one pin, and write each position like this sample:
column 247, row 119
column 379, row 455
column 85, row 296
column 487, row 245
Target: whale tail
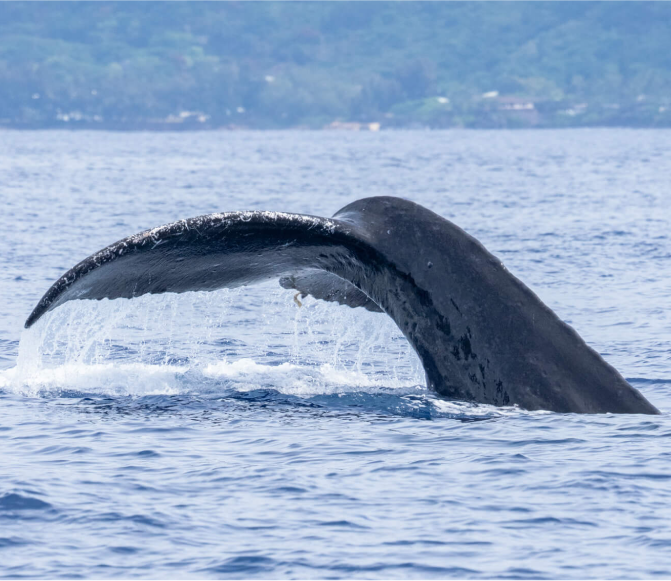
column 480, row 333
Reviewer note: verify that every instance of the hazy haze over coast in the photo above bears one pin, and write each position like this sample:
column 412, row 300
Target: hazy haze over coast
column 136, row 65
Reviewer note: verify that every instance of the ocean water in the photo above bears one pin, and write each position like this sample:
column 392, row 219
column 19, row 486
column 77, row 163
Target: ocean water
column 235, row 435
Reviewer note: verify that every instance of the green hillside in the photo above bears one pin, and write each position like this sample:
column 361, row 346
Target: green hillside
column 285, row 64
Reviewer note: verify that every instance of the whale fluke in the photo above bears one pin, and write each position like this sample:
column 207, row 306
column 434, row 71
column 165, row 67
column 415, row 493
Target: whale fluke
column 480, row 333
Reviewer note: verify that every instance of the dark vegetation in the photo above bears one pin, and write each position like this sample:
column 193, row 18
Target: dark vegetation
column 284, row 64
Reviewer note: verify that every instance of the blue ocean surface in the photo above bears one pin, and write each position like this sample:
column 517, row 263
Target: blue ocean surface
column 234, row 434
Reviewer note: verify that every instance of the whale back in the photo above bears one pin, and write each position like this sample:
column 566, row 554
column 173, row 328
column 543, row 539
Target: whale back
column 480, row 333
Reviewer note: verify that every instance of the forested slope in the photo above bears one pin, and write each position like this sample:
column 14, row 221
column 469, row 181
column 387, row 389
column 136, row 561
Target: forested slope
column 285, row 64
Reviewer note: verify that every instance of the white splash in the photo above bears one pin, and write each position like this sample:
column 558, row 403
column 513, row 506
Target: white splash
column 243, row 339
column 301, row 380
column 103, row 379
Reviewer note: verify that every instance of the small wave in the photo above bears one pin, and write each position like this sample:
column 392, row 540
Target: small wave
column 14, row 502
column 646, row 380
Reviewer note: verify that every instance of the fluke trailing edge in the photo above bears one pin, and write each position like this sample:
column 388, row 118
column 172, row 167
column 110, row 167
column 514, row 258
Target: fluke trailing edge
column 480, row 333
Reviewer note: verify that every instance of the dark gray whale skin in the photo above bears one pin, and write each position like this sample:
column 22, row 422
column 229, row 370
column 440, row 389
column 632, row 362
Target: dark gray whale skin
column 480, row 333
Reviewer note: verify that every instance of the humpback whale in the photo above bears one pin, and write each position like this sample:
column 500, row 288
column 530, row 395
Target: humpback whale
column 480, row 333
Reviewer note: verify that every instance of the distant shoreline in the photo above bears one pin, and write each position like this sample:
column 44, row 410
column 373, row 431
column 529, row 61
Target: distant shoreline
column 150, row 128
